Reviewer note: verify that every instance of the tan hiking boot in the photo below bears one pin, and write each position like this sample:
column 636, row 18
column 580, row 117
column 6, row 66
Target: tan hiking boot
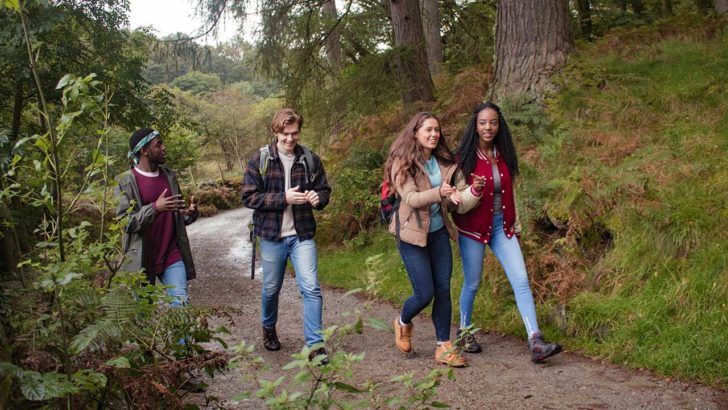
column 402, row 336
column 448, row 354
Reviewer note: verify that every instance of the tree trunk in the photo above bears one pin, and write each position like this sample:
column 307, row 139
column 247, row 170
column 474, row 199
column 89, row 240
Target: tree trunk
column 585, row 17
column 414, row 75
column 18, row 103
column 667, row 9
column 9, row 243
column 721, row 6
column 433, row 41
column 532, row 42
column 333, row 41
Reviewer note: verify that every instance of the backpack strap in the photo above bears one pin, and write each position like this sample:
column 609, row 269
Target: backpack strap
column 308, row 164
column 263, row 163
column 307, row 159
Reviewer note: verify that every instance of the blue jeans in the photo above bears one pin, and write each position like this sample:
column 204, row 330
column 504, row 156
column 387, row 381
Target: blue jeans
column 175, row 275
column 429, row 269
column 275, row 255
column 508, row 252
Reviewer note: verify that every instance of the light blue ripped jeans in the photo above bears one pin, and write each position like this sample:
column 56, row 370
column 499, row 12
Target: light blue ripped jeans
column 508, row 252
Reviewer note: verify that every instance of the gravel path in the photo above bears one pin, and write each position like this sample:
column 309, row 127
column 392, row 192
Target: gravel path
column 501, row 377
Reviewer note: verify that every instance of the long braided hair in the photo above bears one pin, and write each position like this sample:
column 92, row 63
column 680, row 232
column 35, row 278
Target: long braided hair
column 466, row 153
column 408, row 152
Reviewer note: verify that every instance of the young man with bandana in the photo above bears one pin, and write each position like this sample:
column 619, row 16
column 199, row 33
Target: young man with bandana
column 284, row 182
column 155, row 237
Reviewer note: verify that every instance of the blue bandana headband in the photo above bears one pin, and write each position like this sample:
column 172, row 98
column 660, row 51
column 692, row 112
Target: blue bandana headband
column 141, row 144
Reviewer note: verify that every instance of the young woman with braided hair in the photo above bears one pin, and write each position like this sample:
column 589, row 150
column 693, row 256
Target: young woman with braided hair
column 487, row 157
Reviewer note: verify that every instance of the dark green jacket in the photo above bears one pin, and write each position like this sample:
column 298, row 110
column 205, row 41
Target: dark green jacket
column 141, row 217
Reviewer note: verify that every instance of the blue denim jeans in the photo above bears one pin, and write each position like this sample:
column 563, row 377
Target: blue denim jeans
column 275, row 255
column 508, row 252
column 175, row 275
column 429, row 269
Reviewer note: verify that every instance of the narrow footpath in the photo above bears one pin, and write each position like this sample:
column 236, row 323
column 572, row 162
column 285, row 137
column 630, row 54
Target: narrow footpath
column 502, row 377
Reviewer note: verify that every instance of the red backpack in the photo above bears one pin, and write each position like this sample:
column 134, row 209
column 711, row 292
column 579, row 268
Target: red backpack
column 388, row 203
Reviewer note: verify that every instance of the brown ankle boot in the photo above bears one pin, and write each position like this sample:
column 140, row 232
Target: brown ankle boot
column 448, row 354
column 402, row 336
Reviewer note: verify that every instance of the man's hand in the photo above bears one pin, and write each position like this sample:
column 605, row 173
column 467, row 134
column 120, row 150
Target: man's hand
column 169, row 203
column 312, row 198
column 294, row 197
column 192, row 209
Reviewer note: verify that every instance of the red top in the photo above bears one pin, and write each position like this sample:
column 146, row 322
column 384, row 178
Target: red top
column 478, row 223
column 160, row 242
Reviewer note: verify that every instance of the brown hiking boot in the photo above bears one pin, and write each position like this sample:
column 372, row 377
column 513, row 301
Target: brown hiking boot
column 448, row 354
column 402, row 336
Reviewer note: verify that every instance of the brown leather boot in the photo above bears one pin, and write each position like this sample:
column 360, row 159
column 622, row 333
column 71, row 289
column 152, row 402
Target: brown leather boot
column 448, row 354
column 402, row 336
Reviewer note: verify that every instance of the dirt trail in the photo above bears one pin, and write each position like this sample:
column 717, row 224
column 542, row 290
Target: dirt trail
column 501, row 377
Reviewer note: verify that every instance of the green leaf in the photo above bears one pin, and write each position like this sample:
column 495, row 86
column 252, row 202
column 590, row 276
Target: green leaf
column 241, row 396
column 439, row 405
column 83, row 339
column 347, row 388
column 33, row 388
column 380, row 324
column 295, row 364
column 353, row 291
column 67, row 277
column 8, row 368
column 302, row 376
column 64, row 81
column 120, row 362
column 359, row 326
column 13, row 5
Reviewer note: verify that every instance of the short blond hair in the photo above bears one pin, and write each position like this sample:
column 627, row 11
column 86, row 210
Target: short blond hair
column 285, row 117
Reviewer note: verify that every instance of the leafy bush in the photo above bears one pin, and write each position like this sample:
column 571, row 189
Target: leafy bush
column 216, row 196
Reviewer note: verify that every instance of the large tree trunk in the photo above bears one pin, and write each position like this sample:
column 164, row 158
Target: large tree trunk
column 333, row 41
column 433, row 41
column 585, row 17
column 532, row 42
column 9, row 243
column 721, row 6
column 414, row 75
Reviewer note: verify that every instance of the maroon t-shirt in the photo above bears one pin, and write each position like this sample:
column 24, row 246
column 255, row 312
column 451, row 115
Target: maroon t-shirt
column 160, row 239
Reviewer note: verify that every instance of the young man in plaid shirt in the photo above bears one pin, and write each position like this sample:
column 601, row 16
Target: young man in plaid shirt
column 283, row 188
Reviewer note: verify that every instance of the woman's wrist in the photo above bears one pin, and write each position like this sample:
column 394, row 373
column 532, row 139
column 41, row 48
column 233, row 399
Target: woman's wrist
column 476, row 192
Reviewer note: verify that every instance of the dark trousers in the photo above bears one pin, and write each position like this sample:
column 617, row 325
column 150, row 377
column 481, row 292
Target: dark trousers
column 429, row 269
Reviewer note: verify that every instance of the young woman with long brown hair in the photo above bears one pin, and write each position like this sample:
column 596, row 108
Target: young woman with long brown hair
column 420, row 167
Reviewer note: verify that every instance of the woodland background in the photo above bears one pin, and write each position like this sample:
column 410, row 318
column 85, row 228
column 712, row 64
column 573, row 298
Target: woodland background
column 618, row 107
